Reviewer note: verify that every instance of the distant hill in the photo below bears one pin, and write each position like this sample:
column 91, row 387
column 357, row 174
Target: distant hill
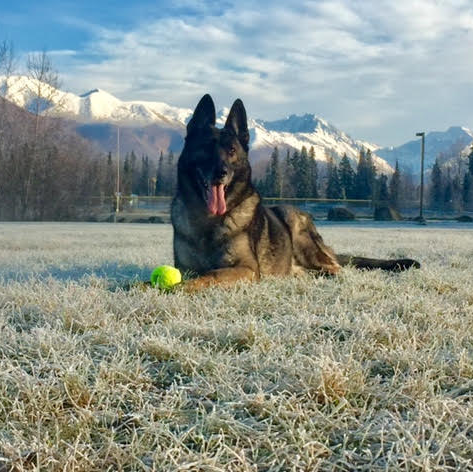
column 446, row 144
column 149, row 140
column 308, row 130
column 152, row 127
column 149, row 127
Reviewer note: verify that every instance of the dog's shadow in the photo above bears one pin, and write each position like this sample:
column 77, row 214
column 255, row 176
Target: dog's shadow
column 116, row 276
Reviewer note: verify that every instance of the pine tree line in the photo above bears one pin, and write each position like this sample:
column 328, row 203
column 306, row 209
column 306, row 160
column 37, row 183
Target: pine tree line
column 451, row 187
column 299, row 176
column 143, row 177
column 166, row 175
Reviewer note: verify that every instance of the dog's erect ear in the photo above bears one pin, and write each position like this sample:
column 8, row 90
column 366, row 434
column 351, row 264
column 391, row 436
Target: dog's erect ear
column 237, row 121
column 204, row 114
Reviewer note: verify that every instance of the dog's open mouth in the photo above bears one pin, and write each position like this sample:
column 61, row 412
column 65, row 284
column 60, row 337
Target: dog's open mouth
column 216, row 199
column 214, row 195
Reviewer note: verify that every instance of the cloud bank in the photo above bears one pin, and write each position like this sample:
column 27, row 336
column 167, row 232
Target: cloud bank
column 380, row 70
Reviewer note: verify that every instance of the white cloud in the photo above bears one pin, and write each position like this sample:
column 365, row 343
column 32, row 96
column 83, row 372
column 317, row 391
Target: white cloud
column 62, row 53
column 377, row 69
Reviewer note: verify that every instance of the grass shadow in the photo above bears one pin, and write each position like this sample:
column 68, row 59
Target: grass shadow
column 116, row 274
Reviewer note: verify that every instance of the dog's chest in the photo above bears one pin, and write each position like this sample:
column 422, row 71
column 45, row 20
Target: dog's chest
column 207, row 253
column 203, row 245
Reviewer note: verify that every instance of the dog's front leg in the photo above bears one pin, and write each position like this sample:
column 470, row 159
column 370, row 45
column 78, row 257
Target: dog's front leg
column 222, row 277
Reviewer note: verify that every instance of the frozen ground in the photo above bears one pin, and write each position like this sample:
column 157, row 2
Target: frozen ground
column 364, row 371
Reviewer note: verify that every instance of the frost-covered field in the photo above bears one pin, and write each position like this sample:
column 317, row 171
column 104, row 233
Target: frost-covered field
column 366, row 371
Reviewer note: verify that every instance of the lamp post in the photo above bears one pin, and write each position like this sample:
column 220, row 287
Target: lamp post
column 421, row 216
column 117, row 206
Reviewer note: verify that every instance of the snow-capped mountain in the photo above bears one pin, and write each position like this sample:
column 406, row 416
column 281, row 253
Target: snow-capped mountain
column 147, row 122
column 93, row 106
column 444, row 144
column 307, row 130
column 34, row 95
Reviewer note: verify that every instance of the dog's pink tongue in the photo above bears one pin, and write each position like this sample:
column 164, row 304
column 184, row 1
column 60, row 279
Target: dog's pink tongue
column 216, row 203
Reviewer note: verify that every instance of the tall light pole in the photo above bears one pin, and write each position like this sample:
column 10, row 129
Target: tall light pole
column 422, row 151
column 117, row 207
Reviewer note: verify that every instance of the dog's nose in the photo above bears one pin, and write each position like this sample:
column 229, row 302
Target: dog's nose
column 221, row 173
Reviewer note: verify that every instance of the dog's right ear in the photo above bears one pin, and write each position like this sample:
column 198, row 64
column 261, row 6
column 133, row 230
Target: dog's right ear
column 204, row 115
column 238, row 122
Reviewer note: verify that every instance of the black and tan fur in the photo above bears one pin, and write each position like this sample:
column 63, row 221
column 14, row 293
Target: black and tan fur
column 222, row 232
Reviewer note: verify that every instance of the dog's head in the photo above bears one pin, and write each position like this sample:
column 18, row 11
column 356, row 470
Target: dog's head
column 214, row 162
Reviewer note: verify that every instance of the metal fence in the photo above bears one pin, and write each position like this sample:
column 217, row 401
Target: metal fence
column 157, row 209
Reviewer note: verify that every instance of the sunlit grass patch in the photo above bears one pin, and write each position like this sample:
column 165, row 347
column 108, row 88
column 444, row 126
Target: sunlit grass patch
column 364, row 371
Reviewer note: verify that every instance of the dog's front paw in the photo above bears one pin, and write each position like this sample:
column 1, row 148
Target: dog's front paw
column 197, row 284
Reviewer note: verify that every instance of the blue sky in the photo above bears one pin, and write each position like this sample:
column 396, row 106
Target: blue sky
column 379, row 70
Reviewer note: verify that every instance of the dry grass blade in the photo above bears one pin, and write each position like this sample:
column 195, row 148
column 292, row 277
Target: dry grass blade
column 365, row 371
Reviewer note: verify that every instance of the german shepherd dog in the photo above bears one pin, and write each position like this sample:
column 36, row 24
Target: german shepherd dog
column 222, row 232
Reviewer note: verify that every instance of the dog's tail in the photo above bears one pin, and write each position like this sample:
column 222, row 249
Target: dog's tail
column 392, row 265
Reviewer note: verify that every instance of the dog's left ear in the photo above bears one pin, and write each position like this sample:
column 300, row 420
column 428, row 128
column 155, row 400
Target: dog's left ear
column 237, row 121
column 204, row 115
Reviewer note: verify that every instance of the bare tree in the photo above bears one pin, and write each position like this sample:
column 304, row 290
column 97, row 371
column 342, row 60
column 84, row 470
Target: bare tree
column 7, row 61
column 43, row 83
column 47, row 172
column 43, row 88
column 7, row 64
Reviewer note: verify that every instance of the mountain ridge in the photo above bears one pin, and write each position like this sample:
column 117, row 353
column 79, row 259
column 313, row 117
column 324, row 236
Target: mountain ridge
column 96, row 107
column 451, row 143
column 157, row 126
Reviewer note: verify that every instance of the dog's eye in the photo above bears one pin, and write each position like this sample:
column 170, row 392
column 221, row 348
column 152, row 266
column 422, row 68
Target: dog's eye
column 232, row 151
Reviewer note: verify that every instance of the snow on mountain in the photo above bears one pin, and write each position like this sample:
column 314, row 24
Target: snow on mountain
column 99, row 106
column 159, row 126
column 308, row 130
column 444, row 144
column 34, row 95
column 95, row 105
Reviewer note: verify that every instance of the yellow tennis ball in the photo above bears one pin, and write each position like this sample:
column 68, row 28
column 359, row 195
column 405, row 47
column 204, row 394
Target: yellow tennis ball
column 165, row 277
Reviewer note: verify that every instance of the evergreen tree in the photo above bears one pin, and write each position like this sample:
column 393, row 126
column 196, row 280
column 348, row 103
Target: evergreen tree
column 127, row 176
column 467, row 191
column 365, row 175
column 171, row 176
column 361, row 177
column 448, row 192
column 266, row 185
column 456, row 201
column 287, row 176
column 314, row 174
column 436, row 186
column 347, row 178
column 303, row 181
column 292, row 173
column 395, row 187
column 334, row 189
column 110, row 176
column 371, row 169
column 470, row 162
column 135, row 174
column 143, row 187
column 260, row 187
column 382, row 193
column 160, row 187
column 274, row 182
